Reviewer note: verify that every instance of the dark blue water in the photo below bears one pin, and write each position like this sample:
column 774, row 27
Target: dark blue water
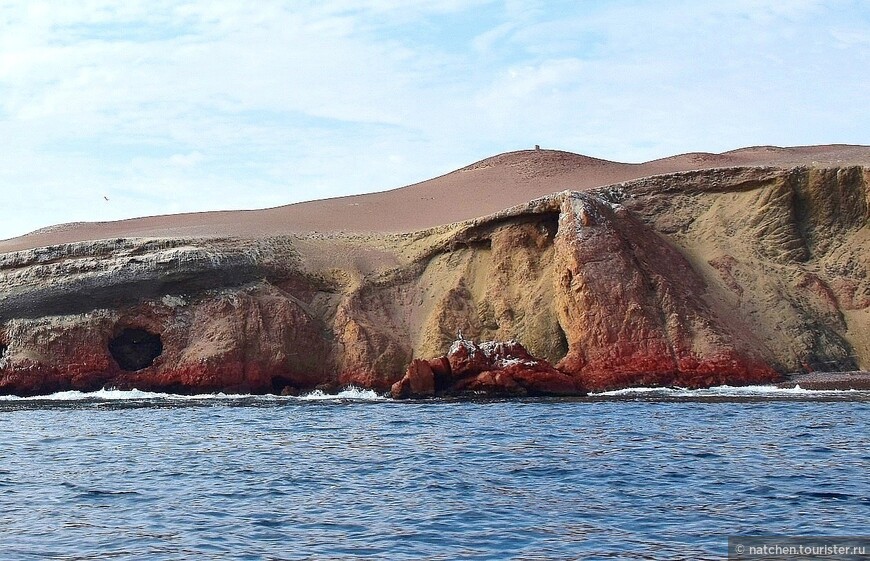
column 629, row 476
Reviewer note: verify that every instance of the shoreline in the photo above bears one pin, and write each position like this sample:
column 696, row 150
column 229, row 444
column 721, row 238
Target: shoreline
column 697, row 279
column 814, row 381
column 855, row 380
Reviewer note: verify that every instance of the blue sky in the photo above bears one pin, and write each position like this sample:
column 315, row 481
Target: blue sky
column 165, row 106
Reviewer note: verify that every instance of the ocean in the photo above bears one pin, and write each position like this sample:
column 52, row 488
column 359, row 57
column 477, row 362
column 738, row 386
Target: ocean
column 634, row 474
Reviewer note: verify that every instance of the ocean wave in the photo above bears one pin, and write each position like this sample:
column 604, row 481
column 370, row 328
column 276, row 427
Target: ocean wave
column 116, row 395
column 352, row 392
column 347, row 394
column 359, row 394
column 719, row 391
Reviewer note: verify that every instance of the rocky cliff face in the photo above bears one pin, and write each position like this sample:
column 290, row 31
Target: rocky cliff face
column 694, row 279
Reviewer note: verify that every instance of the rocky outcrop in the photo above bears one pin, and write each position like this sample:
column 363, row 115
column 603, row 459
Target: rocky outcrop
column 489, row 369
column 654, row 326
column 828, row 381
column 252, row 339
column 694, row 279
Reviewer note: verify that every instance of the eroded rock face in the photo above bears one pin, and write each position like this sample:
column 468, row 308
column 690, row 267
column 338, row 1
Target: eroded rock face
column 693, row 279
column 653, row 326
column 490, row 369
column 251, row 339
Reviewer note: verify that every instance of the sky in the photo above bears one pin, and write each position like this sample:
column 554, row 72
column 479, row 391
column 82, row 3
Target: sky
column 116, row 109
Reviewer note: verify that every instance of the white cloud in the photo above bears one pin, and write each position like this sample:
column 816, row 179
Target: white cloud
column 168, row 106
column 186, row 160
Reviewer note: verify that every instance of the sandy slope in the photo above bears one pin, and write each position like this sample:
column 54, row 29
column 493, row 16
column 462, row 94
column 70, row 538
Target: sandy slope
column 477, row 190
column 728, row 275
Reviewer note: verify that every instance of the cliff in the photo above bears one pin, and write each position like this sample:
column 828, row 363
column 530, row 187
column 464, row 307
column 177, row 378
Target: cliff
column 696, row 278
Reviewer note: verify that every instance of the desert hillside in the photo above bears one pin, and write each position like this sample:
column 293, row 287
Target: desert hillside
column 695, row 270
column 479, row 189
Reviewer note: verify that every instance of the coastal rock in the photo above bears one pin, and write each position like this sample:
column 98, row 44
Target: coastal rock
column 419, row 381
column 842, row 381
column 246, row 340
column 493, row 368
column 733, row 275
column 634, row 310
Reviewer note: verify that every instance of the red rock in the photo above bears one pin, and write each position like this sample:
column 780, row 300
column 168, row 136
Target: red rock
column 543, row 380
column 490, row 383
column 364, row 378
column 632, row 308
column 441, row 371
column 466, row 358
column 491, row 368
column 248, row 341
column 419, row 381
column 847, row 292
column 692, row 279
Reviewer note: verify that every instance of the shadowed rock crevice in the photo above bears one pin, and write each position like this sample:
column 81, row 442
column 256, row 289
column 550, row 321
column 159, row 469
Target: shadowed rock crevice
column 135, row 349
column 562, row 342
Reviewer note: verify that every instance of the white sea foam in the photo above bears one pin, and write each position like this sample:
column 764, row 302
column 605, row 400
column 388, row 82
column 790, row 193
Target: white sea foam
column 117, row 395
column 718, row 391
column 358, row 394
column 348, row 393
column 351, row 393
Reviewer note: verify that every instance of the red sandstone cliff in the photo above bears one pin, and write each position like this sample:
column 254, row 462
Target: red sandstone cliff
column 697, row 278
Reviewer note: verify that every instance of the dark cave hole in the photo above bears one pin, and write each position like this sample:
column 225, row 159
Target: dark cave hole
column 549, row 225
column 563, row 343
column 3, row 348
column 135, row 349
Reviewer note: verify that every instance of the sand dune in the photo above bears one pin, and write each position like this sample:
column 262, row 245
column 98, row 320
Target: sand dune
column 476, row 190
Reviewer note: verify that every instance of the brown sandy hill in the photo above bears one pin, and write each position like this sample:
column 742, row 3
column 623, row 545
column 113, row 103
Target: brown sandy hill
column 745, row 266
column 477, row 190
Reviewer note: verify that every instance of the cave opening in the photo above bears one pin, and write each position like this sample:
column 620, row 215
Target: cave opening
column 3, row 348
column 549, row 225
column 562, row 344
column 284, row 386
column 134, row 349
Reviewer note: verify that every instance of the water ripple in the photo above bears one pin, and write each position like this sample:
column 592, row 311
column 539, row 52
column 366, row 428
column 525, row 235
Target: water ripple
column 608, row 477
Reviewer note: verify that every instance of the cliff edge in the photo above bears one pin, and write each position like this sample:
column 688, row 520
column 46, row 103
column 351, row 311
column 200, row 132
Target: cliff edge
column 722, row 275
